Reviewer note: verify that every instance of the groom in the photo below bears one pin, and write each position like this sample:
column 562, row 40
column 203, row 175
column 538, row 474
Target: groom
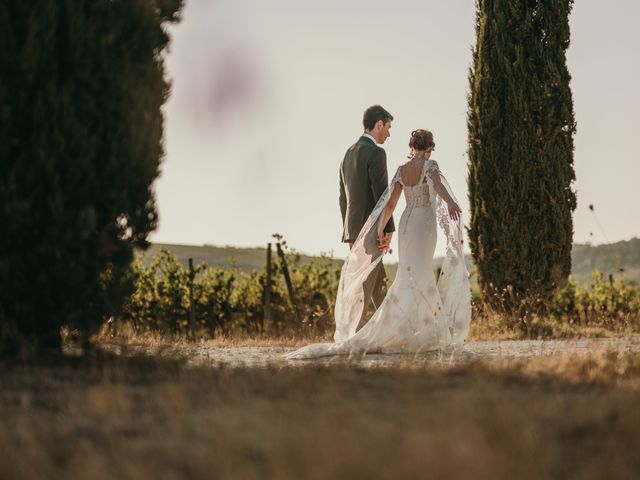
column 363, row 180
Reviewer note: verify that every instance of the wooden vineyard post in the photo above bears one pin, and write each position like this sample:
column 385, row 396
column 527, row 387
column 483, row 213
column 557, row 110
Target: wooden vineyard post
column 287, row 279
column 192, row 317
column 611, row 289
column 267, row 291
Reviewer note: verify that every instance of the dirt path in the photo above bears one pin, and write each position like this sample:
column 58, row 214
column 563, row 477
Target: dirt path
column 491, row 350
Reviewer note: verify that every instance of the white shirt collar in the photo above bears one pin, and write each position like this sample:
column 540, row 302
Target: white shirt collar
column 369, row 136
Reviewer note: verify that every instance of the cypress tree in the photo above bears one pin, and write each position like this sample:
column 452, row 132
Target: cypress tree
column 81, row 88
column 521, row 127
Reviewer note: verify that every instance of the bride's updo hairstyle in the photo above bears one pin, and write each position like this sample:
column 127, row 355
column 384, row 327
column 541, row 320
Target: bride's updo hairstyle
column 421, row 140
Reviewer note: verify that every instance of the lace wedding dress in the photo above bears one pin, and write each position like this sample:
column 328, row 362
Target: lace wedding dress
column 417, row 314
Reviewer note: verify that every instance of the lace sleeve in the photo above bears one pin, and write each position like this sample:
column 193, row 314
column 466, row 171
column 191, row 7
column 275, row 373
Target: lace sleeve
column 453, row 282
column 397, row 178
column 431, row 167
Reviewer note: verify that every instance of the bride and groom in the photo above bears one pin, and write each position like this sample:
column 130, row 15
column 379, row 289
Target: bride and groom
column 417, row 313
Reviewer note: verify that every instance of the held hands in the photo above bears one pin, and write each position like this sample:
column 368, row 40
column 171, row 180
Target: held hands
column 454, row 211
column 384, row 242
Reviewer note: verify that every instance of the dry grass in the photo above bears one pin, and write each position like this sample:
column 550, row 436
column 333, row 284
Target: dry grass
column 488, row 328
column 568, row 417
column 601, row 367
column 158, row 339
column 493, row 326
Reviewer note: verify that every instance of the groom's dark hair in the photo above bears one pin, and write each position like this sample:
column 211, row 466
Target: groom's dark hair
column 373, row 114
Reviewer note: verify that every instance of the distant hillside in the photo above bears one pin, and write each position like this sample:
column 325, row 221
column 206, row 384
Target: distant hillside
column 616, row 258
column 246, row 259
column 608, row 258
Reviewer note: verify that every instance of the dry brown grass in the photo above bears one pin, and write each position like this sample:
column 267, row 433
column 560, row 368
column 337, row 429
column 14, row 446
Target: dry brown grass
column 567, row 417
column 492, row 326
column 158, row 339
column 489, row 328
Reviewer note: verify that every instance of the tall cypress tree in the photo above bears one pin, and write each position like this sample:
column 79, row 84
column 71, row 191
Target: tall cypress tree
column 521, row 127
column 81, row 88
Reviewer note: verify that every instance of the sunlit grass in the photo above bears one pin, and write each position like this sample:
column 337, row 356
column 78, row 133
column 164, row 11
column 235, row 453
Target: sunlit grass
column 148, row 417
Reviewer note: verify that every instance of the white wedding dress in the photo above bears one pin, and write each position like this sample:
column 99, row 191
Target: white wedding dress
column 417, row 314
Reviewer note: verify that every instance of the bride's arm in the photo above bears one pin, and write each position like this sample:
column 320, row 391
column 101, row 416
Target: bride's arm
column 388, row 210
column 454, row 208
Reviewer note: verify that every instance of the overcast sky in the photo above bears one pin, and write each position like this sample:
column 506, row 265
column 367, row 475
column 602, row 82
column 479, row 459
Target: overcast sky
column 268, row 94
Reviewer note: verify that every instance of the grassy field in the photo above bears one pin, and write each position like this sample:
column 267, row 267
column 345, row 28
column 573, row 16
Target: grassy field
column 148, row 417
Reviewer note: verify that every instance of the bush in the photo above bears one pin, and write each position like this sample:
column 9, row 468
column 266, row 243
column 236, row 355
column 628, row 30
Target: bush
column 605, row 306
column 611, row 304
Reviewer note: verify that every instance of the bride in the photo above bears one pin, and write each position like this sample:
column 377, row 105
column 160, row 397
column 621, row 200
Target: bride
column 417, row 314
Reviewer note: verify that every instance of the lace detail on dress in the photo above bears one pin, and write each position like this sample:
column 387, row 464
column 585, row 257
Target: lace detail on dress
column 442, row 214
column 418, row 196
column 431, row 169
column 421, row 195
column 431, row 166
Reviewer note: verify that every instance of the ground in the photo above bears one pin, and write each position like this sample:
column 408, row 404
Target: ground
column 526, row 410
column 486, row 351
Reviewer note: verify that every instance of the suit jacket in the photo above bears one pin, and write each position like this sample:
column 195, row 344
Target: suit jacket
column 363, row 180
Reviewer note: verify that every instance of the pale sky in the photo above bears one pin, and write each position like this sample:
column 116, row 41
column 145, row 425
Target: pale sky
column 268, row 95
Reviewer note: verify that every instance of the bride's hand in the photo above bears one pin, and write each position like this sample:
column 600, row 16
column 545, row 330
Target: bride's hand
column 454, row 211
column 384, row 242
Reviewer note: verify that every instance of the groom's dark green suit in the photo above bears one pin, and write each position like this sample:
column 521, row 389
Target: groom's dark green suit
column 363, row 180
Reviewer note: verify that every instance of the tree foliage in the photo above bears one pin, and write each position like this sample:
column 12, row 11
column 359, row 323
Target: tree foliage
column 81, row 87
column 521, row 127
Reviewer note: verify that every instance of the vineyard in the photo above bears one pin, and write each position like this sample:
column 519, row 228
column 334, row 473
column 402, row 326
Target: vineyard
column 228, row 301
column 168, row 297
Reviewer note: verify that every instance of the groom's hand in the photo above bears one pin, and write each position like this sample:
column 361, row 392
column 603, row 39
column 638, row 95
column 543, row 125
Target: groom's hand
column 384, row 242
column 389, row 236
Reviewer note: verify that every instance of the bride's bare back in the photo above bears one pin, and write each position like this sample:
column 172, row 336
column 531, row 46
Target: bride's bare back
column 413, row 180
column 411, row 172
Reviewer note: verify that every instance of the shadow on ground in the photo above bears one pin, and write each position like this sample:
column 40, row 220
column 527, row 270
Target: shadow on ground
column 573, row 415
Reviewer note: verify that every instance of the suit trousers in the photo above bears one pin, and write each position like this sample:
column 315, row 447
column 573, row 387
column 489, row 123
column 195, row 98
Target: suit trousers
column 374, row 292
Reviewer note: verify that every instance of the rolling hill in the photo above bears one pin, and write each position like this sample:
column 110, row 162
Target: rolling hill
column 620, row 258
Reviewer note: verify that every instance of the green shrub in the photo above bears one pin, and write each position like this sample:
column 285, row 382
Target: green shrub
column 611, row 304
column 228, row 301
column 602, row 307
